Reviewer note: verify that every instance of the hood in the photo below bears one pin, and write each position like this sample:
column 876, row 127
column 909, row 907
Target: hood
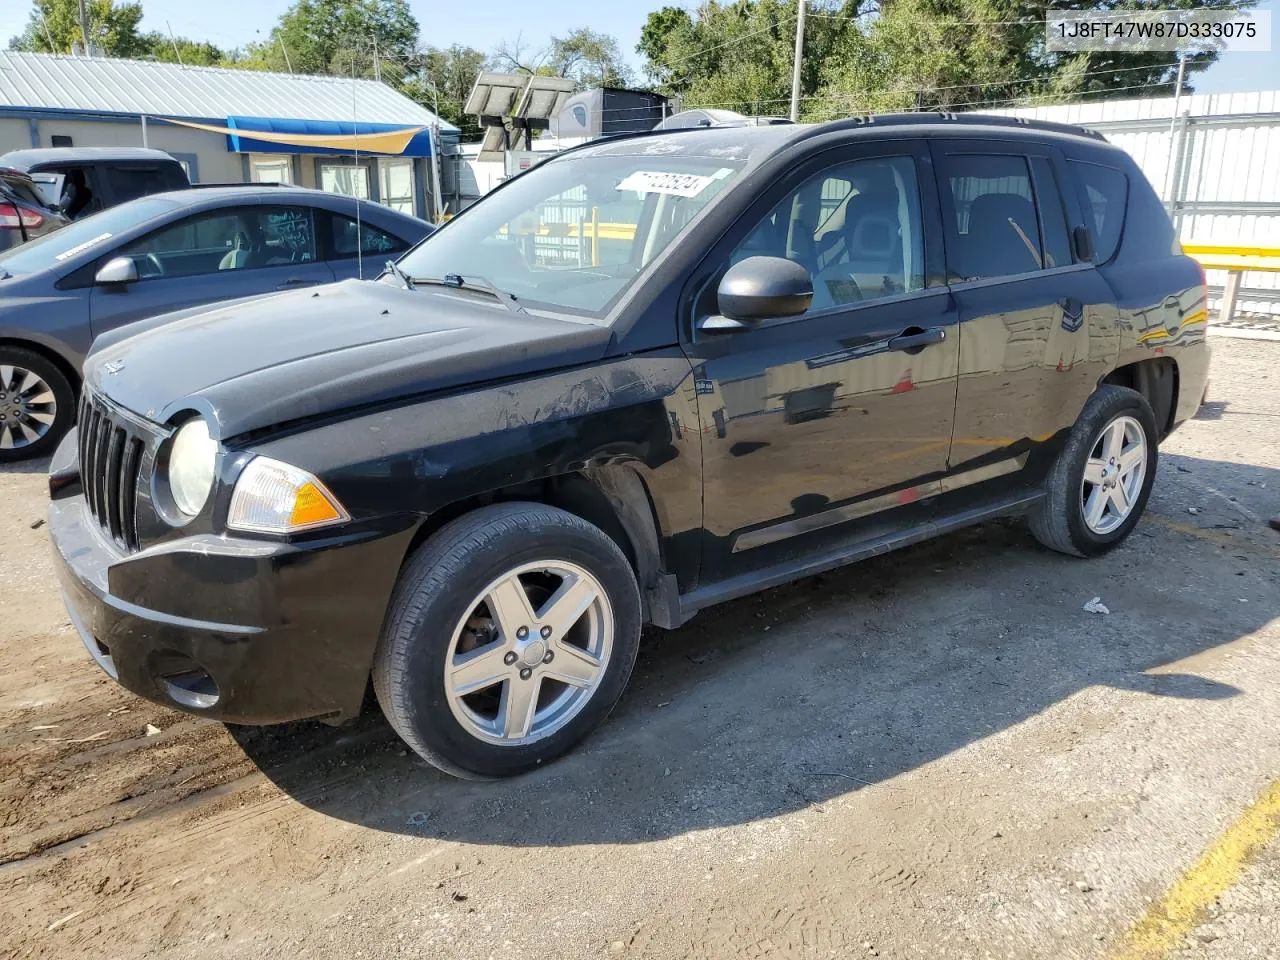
column 261, row 362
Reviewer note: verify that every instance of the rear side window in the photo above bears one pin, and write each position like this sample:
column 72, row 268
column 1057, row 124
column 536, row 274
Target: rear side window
column 129, row 183
column 374, row 241
column 1104, row 193
column 997, row 229
column 1053, row 219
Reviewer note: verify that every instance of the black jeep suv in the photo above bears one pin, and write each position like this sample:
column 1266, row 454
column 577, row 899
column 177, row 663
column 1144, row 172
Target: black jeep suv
column 651, row 374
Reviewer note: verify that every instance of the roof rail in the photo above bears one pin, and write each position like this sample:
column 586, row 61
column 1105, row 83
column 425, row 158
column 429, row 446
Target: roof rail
column 241, row 183
column 973, row 119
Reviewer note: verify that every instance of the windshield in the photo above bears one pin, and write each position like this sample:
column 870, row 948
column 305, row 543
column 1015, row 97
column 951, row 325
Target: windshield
column 572, row 235
column 61, row 245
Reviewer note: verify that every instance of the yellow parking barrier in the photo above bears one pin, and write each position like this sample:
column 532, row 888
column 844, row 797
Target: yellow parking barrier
column 1235, row 260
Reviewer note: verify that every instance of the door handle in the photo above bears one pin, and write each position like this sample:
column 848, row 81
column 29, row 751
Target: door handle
column 295, row 282
column 914, row 339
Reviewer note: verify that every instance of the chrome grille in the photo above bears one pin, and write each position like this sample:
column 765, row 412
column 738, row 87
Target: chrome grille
column 111, row 452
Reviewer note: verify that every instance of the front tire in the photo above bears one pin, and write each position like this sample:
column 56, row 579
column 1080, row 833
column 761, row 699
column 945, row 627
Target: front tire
column 511, row 634
column 37, row 404
column 1099, row 485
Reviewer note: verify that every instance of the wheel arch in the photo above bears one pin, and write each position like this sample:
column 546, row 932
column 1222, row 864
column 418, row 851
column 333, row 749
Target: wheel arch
column 613, row 497
column 55, row 357
column 1156, row 378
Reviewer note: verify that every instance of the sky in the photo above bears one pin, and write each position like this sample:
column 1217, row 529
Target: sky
column 484, row 23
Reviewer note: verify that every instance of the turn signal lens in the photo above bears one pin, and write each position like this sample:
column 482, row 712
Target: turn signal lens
column 274, row 497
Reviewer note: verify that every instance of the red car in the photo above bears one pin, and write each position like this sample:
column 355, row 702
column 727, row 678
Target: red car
column 24, row 215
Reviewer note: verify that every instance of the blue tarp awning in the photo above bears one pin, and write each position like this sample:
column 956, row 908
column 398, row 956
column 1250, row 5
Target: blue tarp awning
column 418, row 146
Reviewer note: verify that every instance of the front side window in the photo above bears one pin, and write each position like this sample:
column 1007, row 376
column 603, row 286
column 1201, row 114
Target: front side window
column 572, row 235
column 856, row 227
column 245, row 238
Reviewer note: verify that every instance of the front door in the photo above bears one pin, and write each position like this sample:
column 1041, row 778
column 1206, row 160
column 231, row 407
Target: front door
column 834, row 425
column 208, row 257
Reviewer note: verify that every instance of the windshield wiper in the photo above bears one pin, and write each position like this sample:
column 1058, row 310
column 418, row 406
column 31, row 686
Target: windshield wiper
column 457, row 281
column 394, row 269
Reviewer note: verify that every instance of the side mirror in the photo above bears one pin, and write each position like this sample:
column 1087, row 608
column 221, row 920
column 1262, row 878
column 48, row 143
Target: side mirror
column 1082, row 240
column 117, row 270
column 760, row 288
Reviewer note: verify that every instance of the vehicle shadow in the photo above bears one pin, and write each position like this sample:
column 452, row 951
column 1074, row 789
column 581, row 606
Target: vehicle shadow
column 786, row 699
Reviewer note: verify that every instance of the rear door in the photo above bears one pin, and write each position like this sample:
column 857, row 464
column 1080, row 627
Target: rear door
column 211, row 256
column 1037, row 325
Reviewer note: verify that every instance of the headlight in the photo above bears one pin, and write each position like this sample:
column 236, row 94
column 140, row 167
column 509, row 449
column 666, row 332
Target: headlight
column 274, row 497
column 191, row 462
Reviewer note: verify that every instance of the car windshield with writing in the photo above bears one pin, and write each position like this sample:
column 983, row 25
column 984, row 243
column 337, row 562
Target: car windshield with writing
column 572, row 236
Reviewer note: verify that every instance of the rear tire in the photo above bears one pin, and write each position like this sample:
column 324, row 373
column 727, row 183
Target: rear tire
column 1114, row 441
column 37, row 404
column 511, row 634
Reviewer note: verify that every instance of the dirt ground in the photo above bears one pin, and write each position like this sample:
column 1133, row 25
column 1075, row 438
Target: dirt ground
column 937, row 753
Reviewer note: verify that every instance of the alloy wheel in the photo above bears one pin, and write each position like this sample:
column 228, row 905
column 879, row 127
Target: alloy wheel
column 28, row 407
column 1113, row 475
column 530, row 653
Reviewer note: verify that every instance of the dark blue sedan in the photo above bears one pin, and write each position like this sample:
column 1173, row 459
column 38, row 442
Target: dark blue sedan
column 162, row 253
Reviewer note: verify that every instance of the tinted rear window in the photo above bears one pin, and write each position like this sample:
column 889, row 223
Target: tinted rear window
column 129, row 183
column 1104, row 193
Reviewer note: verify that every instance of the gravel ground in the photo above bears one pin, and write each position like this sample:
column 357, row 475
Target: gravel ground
column 936, row 753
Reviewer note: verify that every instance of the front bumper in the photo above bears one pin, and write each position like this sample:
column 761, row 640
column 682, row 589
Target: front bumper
column 235, row 629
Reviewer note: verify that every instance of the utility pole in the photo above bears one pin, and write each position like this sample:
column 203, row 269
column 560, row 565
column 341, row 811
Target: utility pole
column 799, row 58
column 377, row 67
column 84, row 29
column 1175, row 148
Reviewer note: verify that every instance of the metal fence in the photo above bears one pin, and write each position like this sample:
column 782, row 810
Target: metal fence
column 1216, row 164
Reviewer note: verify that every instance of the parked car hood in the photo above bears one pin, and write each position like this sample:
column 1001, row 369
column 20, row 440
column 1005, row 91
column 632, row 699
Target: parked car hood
column 270, row 360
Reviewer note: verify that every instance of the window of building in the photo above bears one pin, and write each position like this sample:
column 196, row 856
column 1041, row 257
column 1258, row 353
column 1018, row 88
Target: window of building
column 345, row 178
column 395, row 184
column 271, row 169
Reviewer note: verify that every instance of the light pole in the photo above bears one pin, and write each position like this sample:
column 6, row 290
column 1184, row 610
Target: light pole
column 799, row 57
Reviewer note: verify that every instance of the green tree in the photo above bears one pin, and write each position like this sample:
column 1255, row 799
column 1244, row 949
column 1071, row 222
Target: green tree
column 443, row 77
column 589, row 59
column 738, row 54
column 660, row 31
column 329, row 36
column 862, row 55
column 189, row 52
column 54, row 25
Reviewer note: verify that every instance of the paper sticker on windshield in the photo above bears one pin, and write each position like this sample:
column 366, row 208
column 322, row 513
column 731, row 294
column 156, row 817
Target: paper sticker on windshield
column 676, row 184
column 80, row 247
